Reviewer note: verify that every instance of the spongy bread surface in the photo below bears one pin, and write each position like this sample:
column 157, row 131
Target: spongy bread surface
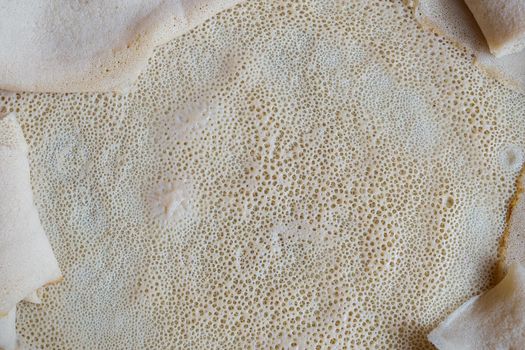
column 291, row 174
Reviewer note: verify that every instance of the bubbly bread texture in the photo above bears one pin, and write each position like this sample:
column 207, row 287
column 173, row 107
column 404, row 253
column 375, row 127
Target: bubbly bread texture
column 288, row 175
column 502, row 22
column 493, row 320
column 26, row 258
column 101, row 45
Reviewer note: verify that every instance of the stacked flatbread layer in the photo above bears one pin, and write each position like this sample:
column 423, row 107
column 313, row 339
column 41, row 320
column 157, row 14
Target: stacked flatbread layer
column 486, row 29
column 27, row 262
column 293, row 174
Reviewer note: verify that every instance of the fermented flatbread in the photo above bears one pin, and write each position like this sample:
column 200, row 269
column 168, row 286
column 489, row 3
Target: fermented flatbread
column 454, row 20
column 100, row 45
column 290, row 174
column 27, row 261
column 33, row 297
column 493, row 320
column 502, row 23
column 512, row 246
column 8, row 331
column 8, row 336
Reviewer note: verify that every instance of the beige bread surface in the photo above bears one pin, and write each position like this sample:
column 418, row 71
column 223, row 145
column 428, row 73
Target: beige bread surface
column 289, row 174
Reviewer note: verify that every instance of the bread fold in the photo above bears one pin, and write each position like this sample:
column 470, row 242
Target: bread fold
column 493, row 320
column 27, row 261
column 99, row 45
column 502, row 23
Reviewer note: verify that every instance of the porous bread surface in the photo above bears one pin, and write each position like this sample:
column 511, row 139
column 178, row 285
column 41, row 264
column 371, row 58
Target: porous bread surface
column 341, row 182
column 452, row 19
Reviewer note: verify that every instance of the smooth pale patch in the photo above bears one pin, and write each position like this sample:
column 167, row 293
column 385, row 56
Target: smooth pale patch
column 68, row 46
column 502, row 23
column 453, row 19
column 33, row 297
column 169, row 202
column 8, row 331
column 26, row 258
column 494, row 320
